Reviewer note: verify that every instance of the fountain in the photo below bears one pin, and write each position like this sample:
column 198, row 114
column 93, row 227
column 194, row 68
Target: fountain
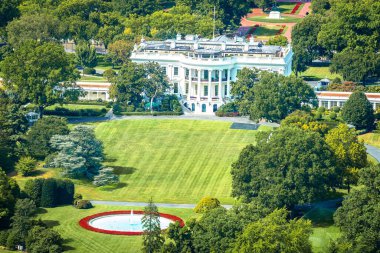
column 123, row 222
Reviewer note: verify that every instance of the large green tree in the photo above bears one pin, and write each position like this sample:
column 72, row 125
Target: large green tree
column 359, row 216
column 39, row 135
column 287, row 167
column 7, row 199
column 39, row 27
column 44, row 240
column 275, row 233
column 152, row 238
column 8, row 11
column 276, row 96
column 242, row 89
column 40, row 73
column 86, row 54
column 350, row 153
column 358, row 111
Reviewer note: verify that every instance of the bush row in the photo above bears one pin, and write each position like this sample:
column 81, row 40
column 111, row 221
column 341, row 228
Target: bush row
column 50, row 192
column 94, row 102
column 169, row 113
column 60, row 111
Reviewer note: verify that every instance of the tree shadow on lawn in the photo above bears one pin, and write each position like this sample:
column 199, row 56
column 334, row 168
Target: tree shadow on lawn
column 51, row 223
column 41, row 210
column 113, row 187
column 36, row 173
column 121, row 170
column 67, row 247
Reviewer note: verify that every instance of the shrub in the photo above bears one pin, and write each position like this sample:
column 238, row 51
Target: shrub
column 49, row 193
column 33, row 188
column 65, row 192
column 83, row 204
column 332, row 115
column 117, row 109
column 44, row 240
column 337, row 80
column 228, row 110
column 106, row 176
column 13, row 239
column 60, row 111
column 321, row 109
column 336, row 109
column 77, row 196
column 26, row 165
column 109, row 74
column 318, row 115
column 89, row 71
column 206, row 204
column 3, row 237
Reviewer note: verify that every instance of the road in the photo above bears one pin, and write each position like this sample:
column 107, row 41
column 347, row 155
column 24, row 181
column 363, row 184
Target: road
column 373, row 151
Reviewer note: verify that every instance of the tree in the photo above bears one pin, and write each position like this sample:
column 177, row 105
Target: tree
column 119, row 51
column 33, row 189
column 79, row 152
column 49, row 193
column 106, row 176
column 275, row 233
column 7, row 200
column 350, row 153
column 276, row 96
column 181, row 239
column 86, row 55
column 320, row 6
column 155, row 82
column 65, row 192
column 152, row 238
column 111, row 27
column 44, row 240
column 13, row 125
column 264, row 3
column 304, row 42
column 39, row 135
column 128, row 85
column 278, row 40
column 206, row 204
column 8, row 11
column 26, row 165
column 287, row 167
column 305, row 121
column 40, row 27
column 358, row 217
column 242, row 89
column 41, row 74
column 139, row 7
column 358, row 111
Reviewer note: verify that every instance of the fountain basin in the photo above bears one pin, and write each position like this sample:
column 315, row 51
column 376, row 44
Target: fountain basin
column 123, row 222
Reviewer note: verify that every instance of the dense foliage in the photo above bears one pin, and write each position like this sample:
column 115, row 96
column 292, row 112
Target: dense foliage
column 152, row 238
column 358, row 111
column 287, row 167
column 206, row 204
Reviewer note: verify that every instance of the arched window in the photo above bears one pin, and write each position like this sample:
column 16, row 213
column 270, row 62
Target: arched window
column 203, row 107
column 193, row 107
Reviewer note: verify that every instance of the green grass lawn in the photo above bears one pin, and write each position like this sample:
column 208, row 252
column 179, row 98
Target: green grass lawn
column 75, row 106
column 285, row 7
column 371, row 139
column 282, row 20
column 322, row 236
column 266, row 31
column 76, row 239
column 317, row 73
column 92, row 78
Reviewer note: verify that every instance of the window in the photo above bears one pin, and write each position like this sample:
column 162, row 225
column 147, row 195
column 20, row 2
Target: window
column 187, row 72
column 225, row 90
column 342, row 103
column 214, row 107
column 203, row 108
column 187, row 88
column 334, row 103
column 205, row 90
column 205, row 75
column 193, row 107
column 163, row 69
column 176, row 71
column 175, row 87
column 216, row 90
column 325, row 104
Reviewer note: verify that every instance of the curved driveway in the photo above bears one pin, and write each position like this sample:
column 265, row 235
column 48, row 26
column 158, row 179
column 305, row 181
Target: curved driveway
column 373, row 151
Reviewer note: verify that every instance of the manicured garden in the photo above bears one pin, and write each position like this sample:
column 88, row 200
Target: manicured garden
column 284, row 19
column 319, row 72
column 267, row 31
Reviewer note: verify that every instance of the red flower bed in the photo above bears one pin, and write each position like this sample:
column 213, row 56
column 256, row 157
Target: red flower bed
column 295, row 9
column 84, row 223
column 281, row 30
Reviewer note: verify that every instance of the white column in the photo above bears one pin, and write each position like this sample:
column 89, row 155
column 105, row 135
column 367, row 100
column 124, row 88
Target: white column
column 190, row 88
column 209, row 84
column 329, row 105
column 220, row 84
column 199, row 84
column 319, row 103
column 228, row 82
column 107, row 95
column 374, row 106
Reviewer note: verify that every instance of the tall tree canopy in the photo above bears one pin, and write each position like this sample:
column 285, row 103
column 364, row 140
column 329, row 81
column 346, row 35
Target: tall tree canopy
column 7, row 199
column 358, row 111
column 41, row 74
column 287, row 167
column 359, row 216
column 152, row 238
column 8, row 11
column 242, row 89
column 276, row 96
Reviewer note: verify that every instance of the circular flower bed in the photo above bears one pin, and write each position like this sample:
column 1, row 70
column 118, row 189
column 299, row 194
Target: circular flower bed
column 86, row 222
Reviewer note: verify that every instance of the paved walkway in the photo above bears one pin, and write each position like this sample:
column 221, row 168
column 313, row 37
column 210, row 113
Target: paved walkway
column 373, row 151
column 143, row 204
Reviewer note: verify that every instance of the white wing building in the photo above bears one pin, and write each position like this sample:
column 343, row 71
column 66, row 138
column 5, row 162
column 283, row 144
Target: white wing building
column 201, row 71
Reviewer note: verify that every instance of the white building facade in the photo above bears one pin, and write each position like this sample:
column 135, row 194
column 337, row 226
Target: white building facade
column 201, row 71
column 330, row 99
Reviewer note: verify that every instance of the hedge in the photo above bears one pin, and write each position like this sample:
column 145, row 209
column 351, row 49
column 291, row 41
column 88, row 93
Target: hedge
column 149, row 113
column 60, row 111
column 226, row 114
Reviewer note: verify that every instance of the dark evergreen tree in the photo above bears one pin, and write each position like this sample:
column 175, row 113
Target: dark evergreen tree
column 65, row 192
column 152, row 237
column 7, row 200
column 358, row 111
column 49, row 193
column 33, row 188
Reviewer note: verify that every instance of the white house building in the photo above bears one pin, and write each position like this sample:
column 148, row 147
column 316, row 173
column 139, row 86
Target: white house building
column 201, row 70
column 95, row 90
